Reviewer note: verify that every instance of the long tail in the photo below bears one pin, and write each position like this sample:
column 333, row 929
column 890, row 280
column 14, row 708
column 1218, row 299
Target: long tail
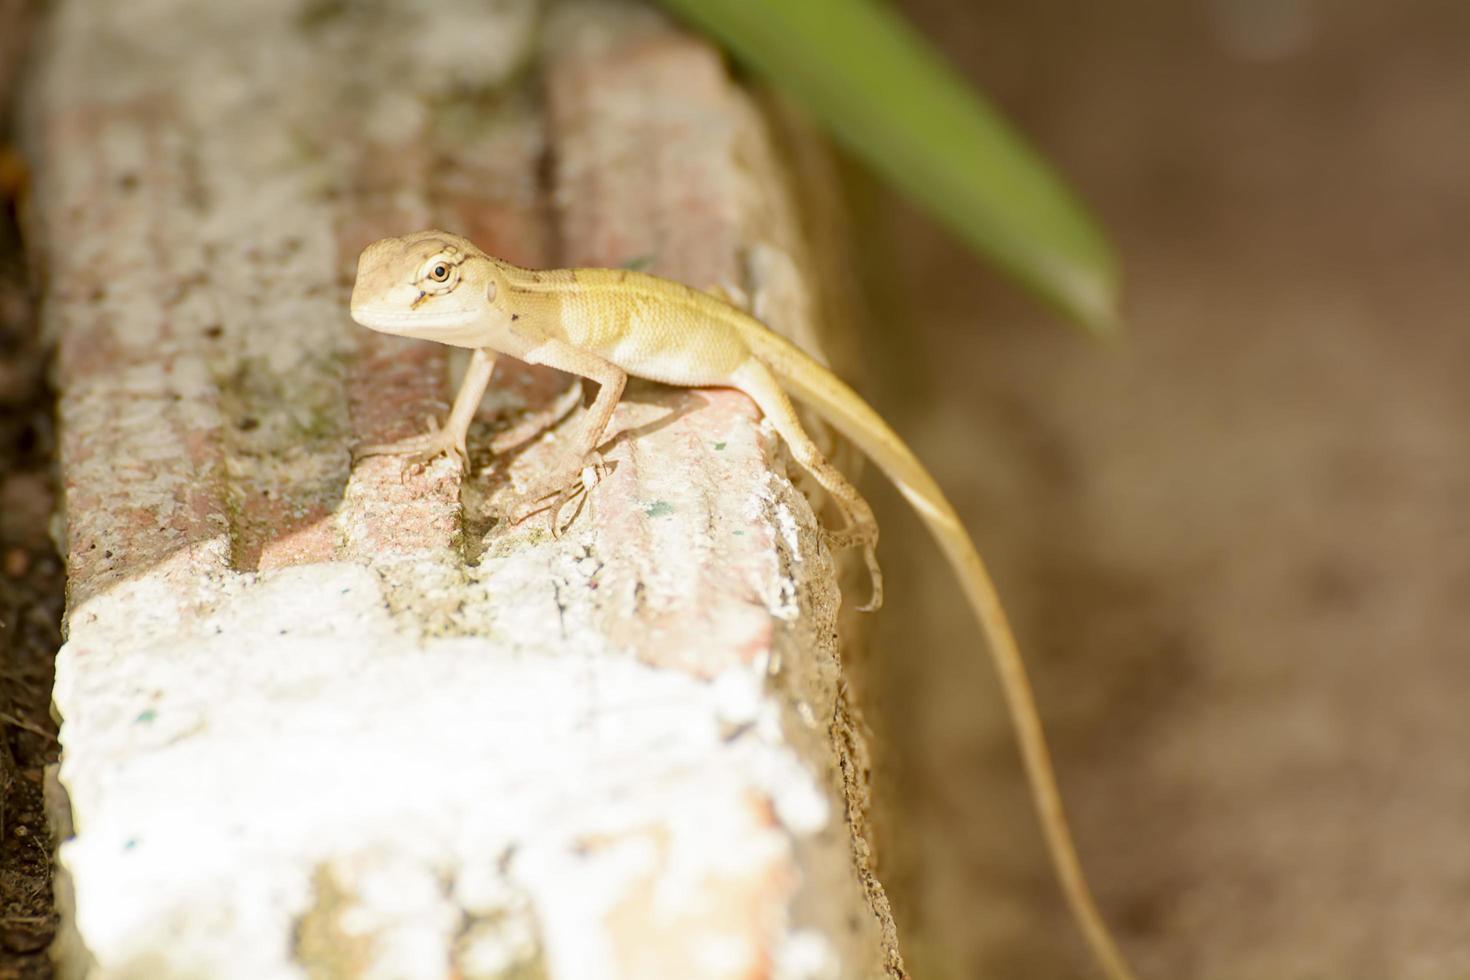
column 842, row 407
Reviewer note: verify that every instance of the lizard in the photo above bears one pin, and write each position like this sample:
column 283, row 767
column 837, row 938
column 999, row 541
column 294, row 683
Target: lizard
column 606, row 324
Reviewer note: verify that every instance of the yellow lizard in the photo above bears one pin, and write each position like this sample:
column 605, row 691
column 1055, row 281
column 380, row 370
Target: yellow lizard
column 605, row 324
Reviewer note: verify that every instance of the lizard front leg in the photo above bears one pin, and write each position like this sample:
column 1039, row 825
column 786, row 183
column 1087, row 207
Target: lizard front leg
column 450, row 438
column 562, row 478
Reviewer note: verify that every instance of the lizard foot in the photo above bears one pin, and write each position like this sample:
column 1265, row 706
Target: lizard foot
column 554, row 492
column 421, row 449
column 860, row 536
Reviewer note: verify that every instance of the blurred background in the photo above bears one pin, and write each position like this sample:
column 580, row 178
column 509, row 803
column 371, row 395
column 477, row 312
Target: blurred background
column 1236, row 546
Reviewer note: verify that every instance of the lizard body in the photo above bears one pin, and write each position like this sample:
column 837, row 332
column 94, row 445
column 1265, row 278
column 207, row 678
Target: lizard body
column 606, row 324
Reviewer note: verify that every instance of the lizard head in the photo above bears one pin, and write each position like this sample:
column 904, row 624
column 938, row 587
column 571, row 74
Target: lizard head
column 430, row 285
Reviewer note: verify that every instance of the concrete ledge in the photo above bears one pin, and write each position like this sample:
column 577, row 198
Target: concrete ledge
column 323, row 721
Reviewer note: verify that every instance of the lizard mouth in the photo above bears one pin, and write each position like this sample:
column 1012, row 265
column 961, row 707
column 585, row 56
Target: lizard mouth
column 391, row 320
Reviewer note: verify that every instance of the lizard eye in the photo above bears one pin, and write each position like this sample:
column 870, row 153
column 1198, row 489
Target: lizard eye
column 439, row 274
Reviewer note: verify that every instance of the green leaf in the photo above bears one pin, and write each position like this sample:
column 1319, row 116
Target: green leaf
column 879, row 87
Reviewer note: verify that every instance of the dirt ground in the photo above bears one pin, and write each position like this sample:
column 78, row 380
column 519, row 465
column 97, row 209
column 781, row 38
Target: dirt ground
column 31, row 583
column 31, row 580
column 1237, row 546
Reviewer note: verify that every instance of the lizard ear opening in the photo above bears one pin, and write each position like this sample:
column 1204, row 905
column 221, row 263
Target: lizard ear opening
column 490, row 291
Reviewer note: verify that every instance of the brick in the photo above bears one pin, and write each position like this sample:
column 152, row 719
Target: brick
column 332, row 719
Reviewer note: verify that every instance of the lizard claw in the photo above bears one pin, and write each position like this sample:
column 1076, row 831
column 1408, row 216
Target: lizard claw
column 867, row 539
column 578, row 492
column 421, row 449
column 875, row 579
column 554, row 493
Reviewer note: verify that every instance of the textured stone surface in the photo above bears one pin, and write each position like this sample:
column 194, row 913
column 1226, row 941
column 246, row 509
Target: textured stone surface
column 332, row 720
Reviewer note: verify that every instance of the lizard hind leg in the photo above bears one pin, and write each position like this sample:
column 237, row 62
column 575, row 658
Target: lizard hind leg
column 861, row 529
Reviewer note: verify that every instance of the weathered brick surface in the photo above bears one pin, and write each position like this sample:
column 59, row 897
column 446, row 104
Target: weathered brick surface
column 322, row 717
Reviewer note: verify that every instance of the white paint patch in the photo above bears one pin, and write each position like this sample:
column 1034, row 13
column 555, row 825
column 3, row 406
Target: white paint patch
column 217, row 762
